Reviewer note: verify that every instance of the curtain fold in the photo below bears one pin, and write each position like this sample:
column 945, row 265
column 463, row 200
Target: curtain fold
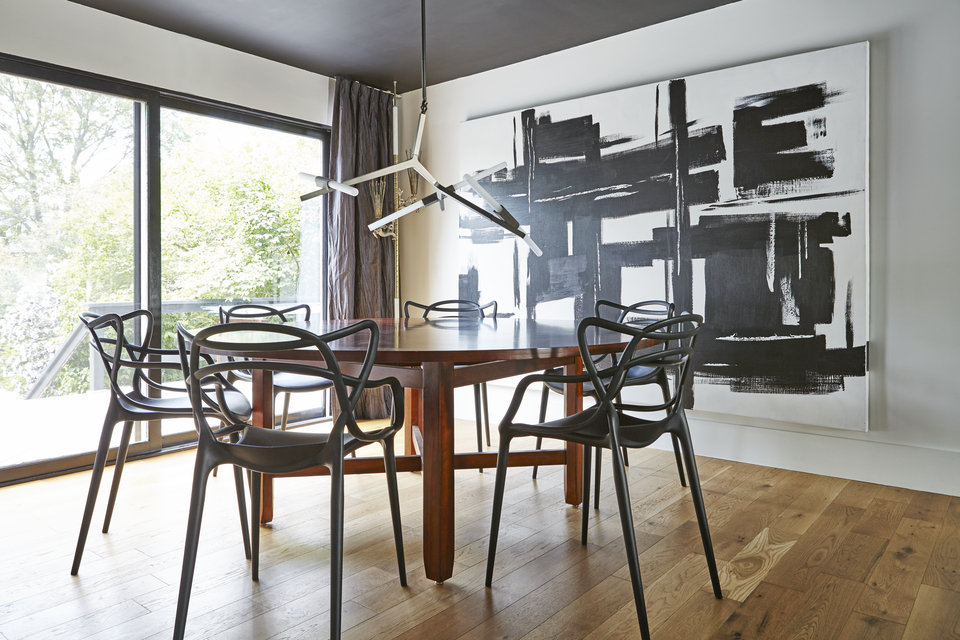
column 360, row 278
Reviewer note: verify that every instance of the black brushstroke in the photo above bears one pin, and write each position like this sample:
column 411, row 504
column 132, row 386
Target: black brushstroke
column 682, row 280
column 516, row 274
column 515, row 142
column 470, row 284
column 848, row 315
column 656, row 118
column 784, row 199
column 766, row 159
column 487, row 235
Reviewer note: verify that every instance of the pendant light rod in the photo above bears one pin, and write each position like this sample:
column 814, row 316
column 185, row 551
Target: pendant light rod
column 423, row 55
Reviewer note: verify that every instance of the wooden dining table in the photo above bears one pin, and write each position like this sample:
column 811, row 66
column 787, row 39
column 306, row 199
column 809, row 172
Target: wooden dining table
column 431, row 358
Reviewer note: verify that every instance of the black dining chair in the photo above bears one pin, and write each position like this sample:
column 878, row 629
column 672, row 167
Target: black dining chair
column 638, row 313
column 286, row 384
column 464, row 308
column 135, row 372
column 271, row 451
column 613, row 424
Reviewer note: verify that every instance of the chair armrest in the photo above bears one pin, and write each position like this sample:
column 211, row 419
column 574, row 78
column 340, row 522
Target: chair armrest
column 607, row 303
column 411, row 303
column 397, row 414
column 218, row 385
column 492, row 303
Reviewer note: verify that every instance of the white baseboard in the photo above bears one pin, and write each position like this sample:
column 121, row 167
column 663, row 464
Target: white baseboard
column 896, row 465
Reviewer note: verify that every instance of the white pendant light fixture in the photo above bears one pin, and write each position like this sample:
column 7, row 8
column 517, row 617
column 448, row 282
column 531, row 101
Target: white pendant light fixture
column 499, row 216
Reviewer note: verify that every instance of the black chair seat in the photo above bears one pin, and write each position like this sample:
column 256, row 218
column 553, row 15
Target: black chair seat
column 275, row 447
column 285, row 383
column 635, row 376
column 237, row 403
column 293, row 383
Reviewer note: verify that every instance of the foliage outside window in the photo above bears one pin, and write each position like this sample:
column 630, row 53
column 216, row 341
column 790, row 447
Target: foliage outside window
column 231, row 221
column 65, row 209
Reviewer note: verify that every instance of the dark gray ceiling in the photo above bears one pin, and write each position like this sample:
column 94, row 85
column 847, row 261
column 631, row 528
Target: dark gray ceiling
column 378, row 41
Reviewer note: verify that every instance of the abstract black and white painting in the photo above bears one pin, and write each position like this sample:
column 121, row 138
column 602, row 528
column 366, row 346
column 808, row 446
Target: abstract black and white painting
column 739, row 194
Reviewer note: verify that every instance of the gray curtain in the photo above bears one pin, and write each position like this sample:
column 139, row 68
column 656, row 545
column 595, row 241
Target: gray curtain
column 359, row 264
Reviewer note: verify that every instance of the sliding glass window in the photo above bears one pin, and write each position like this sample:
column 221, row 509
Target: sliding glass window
column 233, row 229
column 116, row 196
column 67, row 191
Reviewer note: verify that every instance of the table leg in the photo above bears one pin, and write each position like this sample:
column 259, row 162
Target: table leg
column 438, row 481
column 263, row 416
column 412, row 419
column 573, row 471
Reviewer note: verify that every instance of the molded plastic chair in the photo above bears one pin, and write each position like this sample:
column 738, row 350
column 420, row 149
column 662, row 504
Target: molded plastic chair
column 644, row 312
column 461, row 308
column 612, row 424
column 275, row 451
column 286, row 384
column 123, row 356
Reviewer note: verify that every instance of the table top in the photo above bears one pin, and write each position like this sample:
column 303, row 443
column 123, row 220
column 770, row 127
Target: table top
column 464, row 340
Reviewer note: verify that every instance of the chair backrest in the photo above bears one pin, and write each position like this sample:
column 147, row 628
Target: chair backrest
column 122, row 343
column 678, row 333
column 643, row 312
column 250, row 312
column 260, row 340
column 461, row 308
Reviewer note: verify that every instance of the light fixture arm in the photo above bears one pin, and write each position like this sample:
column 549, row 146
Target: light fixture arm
column 326, row 186
column 500, row 216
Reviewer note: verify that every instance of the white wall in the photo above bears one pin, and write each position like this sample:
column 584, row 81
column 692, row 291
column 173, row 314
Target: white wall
column 71, row 35
column 914, row 439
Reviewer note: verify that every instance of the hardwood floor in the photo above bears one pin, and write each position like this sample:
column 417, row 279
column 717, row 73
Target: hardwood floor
column 801, row 556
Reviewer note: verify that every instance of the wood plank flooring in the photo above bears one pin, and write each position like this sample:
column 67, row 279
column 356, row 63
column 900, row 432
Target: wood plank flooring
column 800, row 556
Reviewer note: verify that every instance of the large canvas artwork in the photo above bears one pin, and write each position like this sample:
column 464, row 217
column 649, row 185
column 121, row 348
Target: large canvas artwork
column 739, row 194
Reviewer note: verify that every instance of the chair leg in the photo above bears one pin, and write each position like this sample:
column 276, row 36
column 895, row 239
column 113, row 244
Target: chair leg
column 479, row 409
column 486, row 411
column 286, row 410
column 585, row 507
column 242, row 505
column 697, row 494
column 629, row 539
column 596, row 482
column 544, row 396
column 393, row 491
column 676, row 452
column 99, row 462
column 498, row 488
column 200, row 473
column 536, row 467
column 256, row 481
column 217, row 468
column 117, row 472
column 665, row 390
column 336, row 547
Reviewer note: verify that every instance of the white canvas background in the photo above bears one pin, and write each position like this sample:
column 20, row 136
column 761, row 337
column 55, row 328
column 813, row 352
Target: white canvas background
column 710, row 101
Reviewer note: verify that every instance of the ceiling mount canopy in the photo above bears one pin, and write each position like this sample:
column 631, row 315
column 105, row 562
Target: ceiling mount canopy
column 499, row 216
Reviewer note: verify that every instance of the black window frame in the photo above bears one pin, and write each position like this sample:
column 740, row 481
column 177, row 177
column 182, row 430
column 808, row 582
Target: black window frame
column 153, row 100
